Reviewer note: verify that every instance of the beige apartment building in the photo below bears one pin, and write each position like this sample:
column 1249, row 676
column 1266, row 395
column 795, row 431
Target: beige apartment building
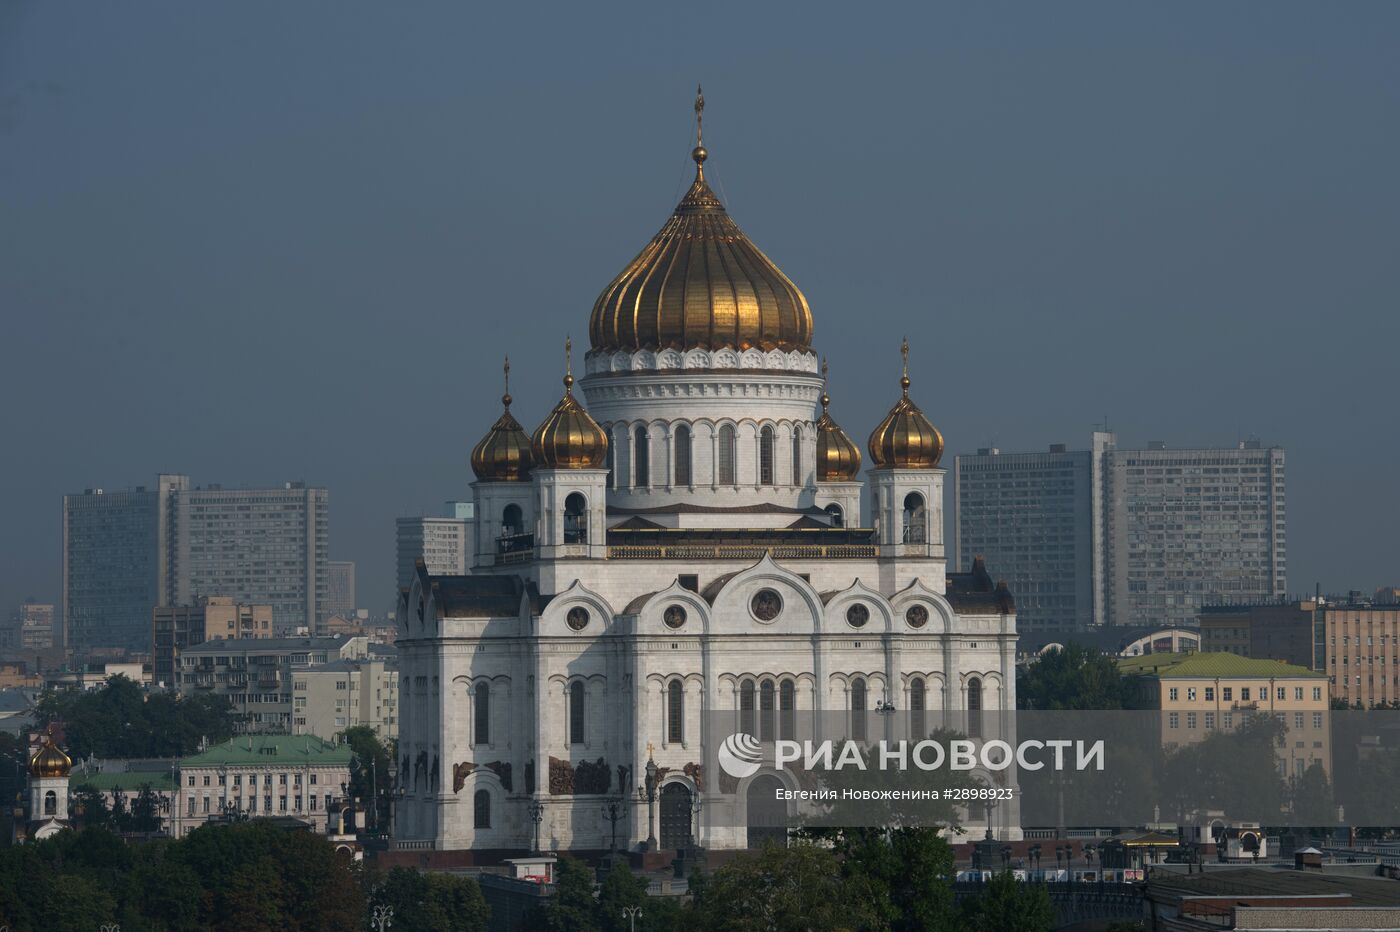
column 330, row 698
column 176, row 627
column 1198, row 694
column 1362, row 650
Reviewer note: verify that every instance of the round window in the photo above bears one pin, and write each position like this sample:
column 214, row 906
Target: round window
column 766, row 605
column 577, row 618
column 857, row 615
column 674, row 616
column 917, row 616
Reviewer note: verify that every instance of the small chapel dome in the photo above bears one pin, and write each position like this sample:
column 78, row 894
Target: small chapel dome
column 906, row 439
column 569, row 438
column 503, row 455
column 50, row 761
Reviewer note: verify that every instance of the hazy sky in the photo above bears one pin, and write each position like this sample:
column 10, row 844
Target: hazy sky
column 262, row 241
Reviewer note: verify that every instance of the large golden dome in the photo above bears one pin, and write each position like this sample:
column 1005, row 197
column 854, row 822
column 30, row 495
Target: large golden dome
column 838, row 458
column 50, row 761
column 906, row 439
column 700, row 283
column 569, row 438
column 503, row 455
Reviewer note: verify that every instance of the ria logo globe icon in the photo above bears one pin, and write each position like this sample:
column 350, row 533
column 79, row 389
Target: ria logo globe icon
column 740, row 755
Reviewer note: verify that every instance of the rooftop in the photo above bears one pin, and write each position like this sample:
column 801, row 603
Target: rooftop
column 267, row 750
column 265, row 645
column 1209, row 665
column 1257, row 881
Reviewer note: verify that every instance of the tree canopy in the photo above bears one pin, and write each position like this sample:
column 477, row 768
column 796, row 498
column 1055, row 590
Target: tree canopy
column 120, row 719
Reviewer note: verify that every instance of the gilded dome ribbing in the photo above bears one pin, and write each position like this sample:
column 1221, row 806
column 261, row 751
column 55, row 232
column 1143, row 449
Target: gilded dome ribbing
column 569, row 438
column 838, row 458
column 906, row 439
column 50, row 762
column 503, row 455
column 700, row 283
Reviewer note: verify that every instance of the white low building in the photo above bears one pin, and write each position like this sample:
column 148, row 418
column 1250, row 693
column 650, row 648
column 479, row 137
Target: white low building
column 694, row 541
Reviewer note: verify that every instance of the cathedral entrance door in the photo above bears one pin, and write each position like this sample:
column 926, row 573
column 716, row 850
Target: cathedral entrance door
column 675, row 816
column 767, row 819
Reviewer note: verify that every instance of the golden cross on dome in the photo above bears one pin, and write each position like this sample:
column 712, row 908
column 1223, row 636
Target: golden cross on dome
column 826, row 397
column 568, row 365
column 904, row 378
column 505, row 399
column 650, row 747
column 699, row 115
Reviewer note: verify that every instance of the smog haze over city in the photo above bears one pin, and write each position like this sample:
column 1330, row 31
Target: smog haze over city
column 260, row 242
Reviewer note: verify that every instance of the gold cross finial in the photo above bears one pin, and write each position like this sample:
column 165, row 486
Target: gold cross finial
column 904, row 378
column 698, row 153
column 826, row 398
column 505, row 399
column 650, row 747
column 568, row 365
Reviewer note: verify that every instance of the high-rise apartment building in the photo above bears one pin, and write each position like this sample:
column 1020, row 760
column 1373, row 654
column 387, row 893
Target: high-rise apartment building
column 126, row 553
column 1126, row 537
column 341, row 694
column 116, row 563
column 266, row 546
column 1361, row 642
column 340, row 589
column 444, row 543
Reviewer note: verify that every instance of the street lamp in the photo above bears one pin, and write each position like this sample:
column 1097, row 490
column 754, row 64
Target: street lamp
column 647, row 793
column 537, row 816
column 632, row 912
column 614, row 812
column 383, row 918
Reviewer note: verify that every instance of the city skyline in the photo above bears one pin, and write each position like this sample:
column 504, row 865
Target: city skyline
column 1188, row 248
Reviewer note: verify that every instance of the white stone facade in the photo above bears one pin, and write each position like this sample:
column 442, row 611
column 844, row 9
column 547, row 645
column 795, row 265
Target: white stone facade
column 573, row 636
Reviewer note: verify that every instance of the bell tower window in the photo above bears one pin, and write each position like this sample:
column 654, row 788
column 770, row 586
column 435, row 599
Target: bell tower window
column 575, row 519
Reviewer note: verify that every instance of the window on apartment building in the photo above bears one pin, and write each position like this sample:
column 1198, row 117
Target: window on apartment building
column 1190, row 694
column 1298, row 693
column 1297, row 719
column 1190, row 719
column 312, row 800
column 1210, row 694
column 282, row 804
column 1171, row 694
column 1317, row 693
column 206, row 804
column 1227, row 693
column 1244, row 693
column 1174, row 720
column 1317, row 719
column 1281, row 692
column 1210, row 720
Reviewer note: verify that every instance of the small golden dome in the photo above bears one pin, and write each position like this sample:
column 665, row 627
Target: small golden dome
column 906, row 439
column 700, row 283
column 838, row 458
column 503, row 455
column 50, row 761
column 569, row 438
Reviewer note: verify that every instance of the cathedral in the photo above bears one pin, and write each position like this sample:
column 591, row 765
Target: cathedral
column 683, row 534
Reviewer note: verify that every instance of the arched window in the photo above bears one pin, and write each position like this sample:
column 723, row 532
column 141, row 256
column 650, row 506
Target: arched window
column 483, row 713
column 50, row 803
column 608, row 461
column 797, row 456
column 675, row 712
column 576, row 712
column 787, row 710
column 512, row 521
column 726, row 456
column 682, row 456
column 765, row 710
column 915, row 519
column 837, row 516
column 765, row 456
column 974, row 708
column 643, row 457
column 858, row 709
column 918, row 701
column 575, row 519
column 481, row 809
column 746, row 716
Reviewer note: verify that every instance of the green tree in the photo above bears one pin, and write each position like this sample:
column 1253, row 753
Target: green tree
column 1008, row 905
column 905, row 873
column 573, row 908
column 120, row 719
column 373, row 773
column 794, row 889
column 432, row 902
column 1072, row 677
